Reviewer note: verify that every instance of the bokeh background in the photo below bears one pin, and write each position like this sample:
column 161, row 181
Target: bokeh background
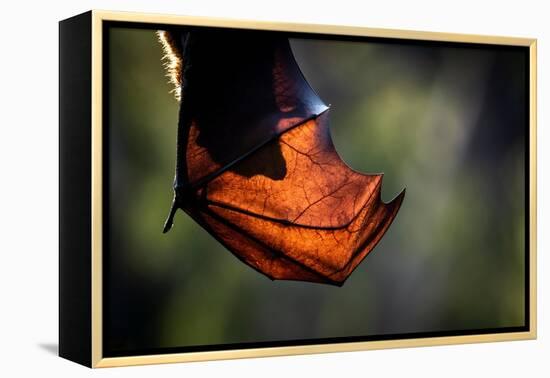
column 445, row 121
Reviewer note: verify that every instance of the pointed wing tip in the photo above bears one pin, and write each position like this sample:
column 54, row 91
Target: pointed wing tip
column 395, row 204
column 397, row 200
column 401, row 196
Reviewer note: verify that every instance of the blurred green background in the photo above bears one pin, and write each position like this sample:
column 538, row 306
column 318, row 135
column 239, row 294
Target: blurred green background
column 445, row 121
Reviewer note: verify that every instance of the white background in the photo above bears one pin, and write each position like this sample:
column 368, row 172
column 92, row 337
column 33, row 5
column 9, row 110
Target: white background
column 29, row 174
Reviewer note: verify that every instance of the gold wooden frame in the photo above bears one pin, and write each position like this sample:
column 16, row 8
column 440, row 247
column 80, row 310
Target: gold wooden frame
column 97, row 152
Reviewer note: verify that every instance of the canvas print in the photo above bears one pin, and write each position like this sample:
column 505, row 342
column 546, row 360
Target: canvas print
column 255, row 189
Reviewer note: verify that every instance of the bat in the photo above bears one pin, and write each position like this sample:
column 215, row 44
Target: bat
column 255, row 164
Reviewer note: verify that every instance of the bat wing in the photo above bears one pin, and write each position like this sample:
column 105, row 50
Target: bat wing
column 257, row 167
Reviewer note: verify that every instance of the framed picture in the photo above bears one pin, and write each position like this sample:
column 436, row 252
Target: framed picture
column 235, row 189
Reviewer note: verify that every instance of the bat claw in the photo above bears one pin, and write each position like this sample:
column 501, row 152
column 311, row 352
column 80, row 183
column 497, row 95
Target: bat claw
column 170, row 220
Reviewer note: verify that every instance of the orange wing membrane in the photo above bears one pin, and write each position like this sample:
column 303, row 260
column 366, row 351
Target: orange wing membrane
column 256, row 166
